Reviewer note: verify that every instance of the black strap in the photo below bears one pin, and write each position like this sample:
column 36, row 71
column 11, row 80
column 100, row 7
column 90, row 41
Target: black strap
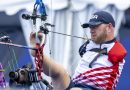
column 100, row 51
column 82, row 49
column 86, row 87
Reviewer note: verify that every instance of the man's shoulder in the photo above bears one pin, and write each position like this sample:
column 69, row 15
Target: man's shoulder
column 117, row 52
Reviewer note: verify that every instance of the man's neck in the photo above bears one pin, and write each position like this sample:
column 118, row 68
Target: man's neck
column 109, row 41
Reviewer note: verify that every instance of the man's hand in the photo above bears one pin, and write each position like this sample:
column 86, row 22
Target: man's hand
column 33, row 40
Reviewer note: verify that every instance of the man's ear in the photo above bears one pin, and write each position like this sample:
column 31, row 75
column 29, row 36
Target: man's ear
column 109, row 28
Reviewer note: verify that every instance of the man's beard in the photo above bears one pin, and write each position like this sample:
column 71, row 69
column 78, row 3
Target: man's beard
column 102, row 38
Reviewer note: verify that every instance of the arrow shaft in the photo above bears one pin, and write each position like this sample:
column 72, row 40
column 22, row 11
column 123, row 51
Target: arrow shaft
column 17, row 45
column 68, row 35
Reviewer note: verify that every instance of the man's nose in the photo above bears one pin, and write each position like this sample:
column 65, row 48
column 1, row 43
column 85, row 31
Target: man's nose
column 92, row 30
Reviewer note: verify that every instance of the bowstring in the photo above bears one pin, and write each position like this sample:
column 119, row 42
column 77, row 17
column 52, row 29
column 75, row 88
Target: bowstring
column 50, row 44
column 82, row 28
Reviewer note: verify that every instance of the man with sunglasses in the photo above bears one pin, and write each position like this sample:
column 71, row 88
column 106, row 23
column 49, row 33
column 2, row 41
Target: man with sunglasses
column 102, row 59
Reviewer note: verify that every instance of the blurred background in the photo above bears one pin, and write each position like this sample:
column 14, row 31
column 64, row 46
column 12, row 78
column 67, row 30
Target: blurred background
column 67, row 16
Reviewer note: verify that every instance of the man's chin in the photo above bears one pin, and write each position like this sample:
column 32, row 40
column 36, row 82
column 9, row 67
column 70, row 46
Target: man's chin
column 96, row 41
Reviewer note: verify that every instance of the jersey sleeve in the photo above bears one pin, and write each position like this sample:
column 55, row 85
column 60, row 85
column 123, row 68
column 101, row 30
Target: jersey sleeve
column 117, row 53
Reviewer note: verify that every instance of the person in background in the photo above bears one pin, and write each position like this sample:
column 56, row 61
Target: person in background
column 101, row 63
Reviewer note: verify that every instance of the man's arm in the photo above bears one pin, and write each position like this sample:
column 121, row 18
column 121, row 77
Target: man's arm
column 60, row 77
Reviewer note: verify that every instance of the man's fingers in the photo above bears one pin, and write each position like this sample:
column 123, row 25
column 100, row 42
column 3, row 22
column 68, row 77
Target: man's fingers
column 33, row 36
